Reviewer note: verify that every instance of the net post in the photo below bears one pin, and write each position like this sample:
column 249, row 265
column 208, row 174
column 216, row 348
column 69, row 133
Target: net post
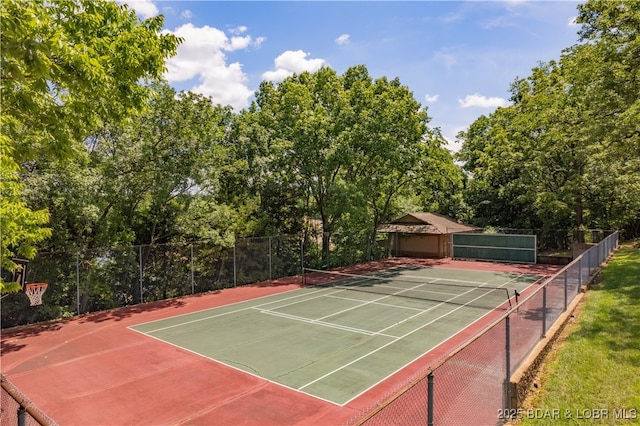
column 430, row 398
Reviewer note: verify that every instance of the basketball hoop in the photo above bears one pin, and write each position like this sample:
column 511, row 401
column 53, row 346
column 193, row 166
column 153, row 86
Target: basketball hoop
column 35, row 292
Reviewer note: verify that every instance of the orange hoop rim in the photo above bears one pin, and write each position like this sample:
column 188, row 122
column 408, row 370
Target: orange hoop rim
column 36, row 285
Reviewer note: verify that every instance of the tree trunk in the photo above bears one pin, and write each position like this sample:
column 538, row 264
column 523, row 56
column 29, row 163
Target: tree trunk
column 326, row 244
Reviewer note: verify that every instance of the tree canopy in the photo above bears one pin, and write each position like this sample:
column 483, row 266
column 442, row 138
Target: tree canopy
column 96, row 150
column 566, row 153
column 66, row 67
column 350, row 145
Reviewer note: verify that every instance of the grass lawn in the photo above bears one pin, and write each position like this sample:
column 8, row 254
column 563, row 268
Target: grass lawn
column 593, row 376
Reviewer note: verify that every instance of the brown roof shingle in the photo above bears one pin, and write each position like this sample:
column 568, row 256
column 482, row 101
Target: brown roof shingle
column 425, row 223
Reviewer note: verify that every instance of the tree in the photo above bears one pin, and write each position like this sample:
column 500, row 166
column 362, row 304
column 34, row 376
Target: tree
column 573, row 130
column 349, row 143
column 140, row 177
column 394, row 152
column 495, row 151
column 66, row 66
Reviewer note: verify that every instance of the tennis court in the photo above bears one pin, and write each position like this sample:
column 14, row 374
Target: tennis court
column 342, row 334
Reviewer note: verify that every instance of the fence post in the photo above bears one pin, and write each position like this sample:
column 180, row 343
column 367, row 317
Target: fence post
column 430, row 399
column 580, row 274
column 193, row 286
column 508, row 362
column 599, row 254
column 235, row 270
column 270, row 238
column 78, row 281
column 302, row 255
column 544, row 311
column 566, row 296
column 141, row 273
column 22, row 416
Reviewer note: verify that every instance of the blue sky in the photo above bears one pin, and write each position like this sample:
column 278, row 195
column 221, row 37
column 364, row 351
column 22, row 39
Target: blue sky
column 458, row 58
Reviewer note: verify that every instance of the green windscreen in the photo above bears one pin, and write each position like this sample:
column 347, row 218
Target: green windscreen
column 502, row 247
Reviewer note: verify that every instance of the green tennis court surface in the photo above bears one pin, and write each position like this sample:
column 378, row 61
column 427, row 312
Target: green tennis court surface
column 336, row 340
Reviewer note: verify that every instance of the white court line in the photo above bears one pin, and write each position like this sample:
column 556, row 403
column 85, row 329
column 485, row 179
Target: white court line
column 326, row 324
column 399, row 277
column 369, row 302
column 446, row 293
column 301, row 297
column 305, row 300
column 431, row 349
column 230, row 312
column 226, row 364
column 361, row 304
column 319, row 321
column 377, row 303
column 403, row 336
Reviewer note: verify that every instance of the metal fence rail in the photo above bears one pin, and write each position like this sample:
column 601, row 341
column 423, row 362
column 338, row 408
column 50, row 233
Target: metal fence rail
column 16, row 409
column 110, row 277
column 472, row 385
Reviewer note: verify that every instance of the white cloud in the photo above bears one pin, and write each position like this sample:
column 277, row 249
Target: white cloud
column 238, row 30
column 144, row 8
column 290, row 62
column 431, row 98
column 240, row 43
column 186, row 14
column 276, row 75
column 343, row 39
column 258, row 41
column 477, row 100
column 202, row 56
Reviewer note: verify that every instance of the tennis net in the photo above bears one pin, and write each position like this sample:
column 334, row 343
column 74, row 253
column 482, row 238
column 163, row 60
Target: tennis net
column 392, row 284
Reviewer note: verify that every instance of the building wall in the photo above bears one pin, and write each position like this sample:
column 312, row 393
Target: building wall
column 420, row 246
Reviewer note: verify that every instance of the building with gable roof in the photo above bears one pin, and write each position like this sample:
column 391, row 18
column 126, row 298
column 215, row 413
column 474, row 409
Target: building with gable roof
column 423, row 234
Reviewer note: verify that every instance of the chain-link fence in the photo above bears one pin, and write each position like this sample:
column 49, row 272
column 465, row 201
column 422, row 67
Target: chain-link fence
column 473, row 384
column 470, row 386
column 111, row 277
column 17, row 410
column 553, row 240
